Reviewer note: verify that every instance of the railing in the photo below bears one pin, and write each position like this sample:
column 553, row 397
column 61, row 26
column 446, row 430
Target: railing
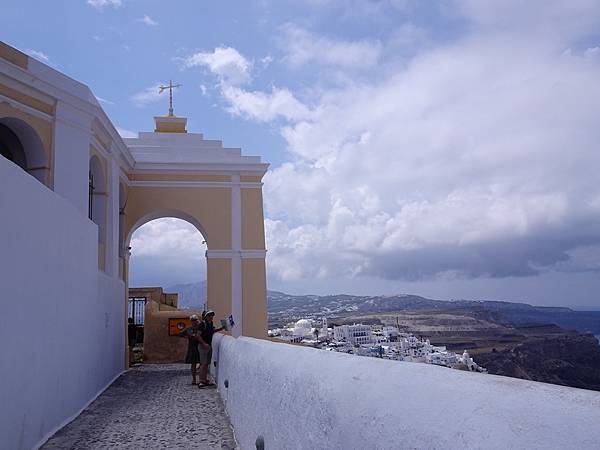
column 301, row 398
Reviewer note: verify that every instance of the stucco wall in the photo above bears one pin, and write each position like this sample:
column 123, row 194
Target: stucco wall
column 61, row 327
column 218, row 274
column 159, row 347
column 253, row 227
column 254, row 296
column 210, row 207
column 303, row 398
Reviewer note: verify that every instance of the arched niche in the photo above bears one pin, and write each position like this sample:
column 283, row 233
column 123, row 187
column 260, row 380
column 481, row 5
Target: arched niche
column 97, row 197
column 122, row 207
column 21, row 144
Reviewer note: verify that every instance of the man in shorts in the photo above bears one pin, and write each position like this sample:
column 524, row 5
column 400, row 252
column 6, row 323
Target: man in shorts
column 207, row 330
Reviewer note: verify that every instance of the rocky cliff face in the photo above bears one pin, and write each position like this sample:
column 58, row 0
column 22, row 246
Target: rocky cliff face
column 568, row 359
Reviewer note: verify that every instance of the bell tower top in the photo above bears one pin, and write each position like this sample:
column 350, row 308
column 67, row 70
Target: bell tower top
column 170, row 123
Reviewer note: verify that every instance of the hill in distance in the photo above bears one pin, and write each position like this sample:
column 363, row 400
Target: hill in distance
column 283, row 308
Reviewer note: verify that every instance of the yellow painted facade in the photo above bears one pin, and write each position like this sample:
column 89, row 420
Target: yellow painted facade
column 253, row 227
column 13, row 55
column 179, row 177
column 255, row 289
column 207, row 208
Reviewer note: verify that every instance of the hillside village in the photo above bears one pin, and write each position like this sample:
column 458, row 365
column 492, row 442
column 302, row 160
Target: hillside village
column 375, row 341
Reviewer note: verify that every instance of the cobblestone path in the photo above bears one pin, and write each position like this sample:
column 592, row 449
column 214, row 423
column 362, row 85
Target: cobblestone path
column 150, row 407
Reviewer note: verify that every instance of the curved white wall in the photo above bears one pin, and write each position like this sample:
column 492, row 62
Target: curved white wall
column 302, row 398
column 61, row 320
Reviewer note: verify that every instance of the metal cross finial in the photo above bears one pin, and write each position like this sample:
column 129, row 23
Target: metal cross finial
column 170, row 87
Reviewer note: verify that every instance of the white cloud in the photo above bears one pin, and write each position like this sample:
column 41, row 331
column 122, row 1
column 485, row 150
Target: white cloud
column 167, row 251
column 105, row 101
column 264, row 107
column 147, row 20
column 149, row 95
column 99, row 4
column 476, row 159
column 225, row 62
column 126, row 133
column 592, row 52
column 266, row 61
column 233, row 69
column 168, row 234
column 304, row 48
column 41, row 56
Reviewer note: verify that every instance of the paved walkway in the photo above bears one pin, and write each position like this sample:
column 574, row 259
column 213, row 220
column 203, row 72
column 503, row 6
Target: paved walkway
column 150, row 407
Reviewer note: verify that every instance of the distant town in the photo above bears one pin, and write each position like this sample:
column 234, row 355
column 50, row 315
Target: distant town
column 377, row 341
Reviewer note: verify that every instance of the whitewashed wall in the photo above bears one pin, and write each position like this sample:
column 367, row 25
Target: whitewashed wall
column 61, row 321
column 303, row 398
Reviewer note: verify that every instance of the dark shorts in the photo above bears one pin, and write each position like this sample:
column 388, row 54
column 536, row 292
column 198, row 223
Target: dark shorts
column 193, row 355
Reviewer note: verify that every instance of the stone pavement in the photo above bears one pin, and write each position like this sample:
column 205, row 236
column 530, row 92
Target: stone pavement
column 150, row 407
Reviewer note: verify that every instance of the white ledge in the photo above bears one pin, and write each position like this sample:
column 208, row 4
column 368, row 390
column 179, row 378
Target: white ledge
column 300, row 398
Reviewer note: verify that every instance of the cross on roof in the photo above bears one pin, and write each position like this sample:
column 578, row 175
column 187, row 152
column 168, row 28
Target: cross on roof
column 170, row 87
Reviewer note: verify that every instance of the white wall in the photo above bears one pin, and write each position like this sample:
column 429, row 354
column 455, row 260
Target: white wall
column 72, row 155
column 303, row 398
column 61, row 320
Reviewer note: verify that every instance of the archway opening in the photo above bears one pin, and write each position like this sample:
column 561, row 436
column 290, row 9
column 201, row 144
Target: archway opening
column 20, row 144
column 167, row 266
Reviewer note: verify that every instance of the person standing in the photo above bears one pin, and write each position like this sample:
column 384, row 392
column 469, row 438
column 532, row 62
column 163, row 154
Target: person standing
column 192, row 356
column 131, row 338
column 207, row 330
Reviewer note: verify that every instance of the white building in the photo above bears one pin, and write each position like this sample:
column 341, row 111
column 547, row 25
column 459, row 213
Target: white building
column 354, row 334
column 303, row 328
column 390, row 333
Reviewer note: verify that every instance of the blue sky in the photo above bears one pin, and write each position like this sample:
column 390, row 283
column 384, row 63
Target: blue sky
column 446, row 148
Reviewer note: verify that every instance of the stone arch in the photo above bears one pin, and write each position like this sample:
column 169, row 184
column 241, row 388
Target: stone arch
column 22, row 145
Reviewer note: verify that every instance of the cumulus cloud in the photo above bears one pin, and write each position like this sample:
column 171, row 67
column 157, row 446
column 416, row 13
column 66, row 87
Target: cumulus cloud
column 99, row 4
column 475, row 159
column 41, row 56
column 105, row 101
column 149, row 95
column 225, row 62
column 233, row 70
column 126, row 133
column 304, row 48
column 264, row 106
column 147, row 20
column 167, row 251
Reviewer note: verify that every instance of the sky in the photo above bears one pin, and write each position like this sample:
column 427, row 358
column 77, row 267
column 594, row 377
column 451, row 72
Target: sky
column 445, row 148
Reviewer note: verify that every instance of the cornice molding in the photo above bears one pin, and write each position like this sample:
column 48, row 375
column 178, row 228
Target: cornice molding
column 197, row 184
column 228, row 254
column 26, row 109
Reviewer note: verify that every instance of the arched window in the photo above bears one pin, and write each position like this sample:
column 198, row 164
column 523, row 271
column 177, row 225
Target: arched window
column 11, row 148
column 20, row 144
